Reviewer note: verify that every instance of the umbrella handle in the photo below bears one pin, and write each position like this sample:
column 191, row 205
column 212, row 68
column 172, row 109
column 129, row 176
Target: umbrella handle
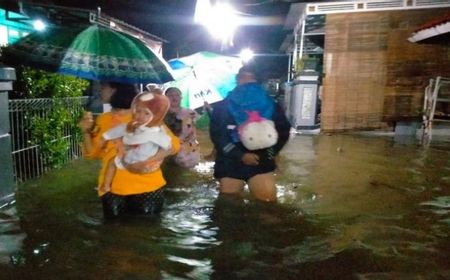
column 195, row 76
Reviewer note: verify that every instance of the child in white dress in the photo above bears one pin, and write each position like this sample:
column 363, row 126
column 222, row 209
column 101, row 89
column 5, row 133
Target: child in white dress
column 142, row 137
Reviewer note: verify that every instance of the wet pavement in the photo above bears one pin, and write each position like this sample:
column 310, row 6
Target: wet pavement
column 349, row 207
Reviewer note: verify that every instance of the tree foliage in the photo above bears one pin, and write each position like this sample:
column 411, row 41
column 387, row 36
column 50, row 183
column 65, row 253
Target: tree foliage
column 49, row 129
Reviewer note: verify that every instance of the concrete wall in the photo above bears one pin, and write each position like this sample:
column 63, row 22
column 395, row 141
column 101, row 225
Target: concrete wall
column 7, row 186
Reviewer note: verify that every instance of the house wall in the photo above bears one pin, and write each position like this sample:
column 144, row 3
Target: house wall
column 373, row 75
column 11, row 31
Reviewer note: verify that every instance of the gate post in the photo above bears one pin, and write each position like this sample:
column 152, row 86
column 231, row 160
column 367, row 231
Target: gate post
column 7, row 184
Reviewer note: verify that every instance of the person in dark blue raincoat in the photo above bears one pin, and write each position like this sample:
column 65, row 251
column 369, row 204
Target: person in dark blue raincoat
column 235, row 165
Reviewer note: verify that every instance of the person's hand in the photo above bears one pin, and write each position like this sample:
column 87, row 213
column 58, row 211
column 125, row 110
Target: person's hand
column 206, row 105
column 102, row 142
column 105, row 188
column 250, row 159
column 142, row 167
column 138, row 167
column 87, row 122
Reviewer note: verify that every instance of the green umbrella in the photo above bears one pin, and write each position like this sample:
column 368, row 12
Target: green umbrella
column 204, row 76
column 92, row 52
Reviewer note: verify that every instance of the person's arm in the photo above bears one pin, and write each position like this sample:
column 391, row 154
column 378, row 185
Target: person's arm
column 87, row 145
column 86, row 125
column 141, row 167
column 93, row 144
column 115, row 132
column 146, row 151
column 207, row 108
column 175, row 142
column 194, row 115
column 283, row 128
column 220, row 130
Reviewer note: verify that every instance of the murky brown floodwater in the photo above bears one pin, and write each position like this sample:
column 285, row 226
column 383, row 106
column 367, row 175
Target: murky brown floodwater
column 350, row 207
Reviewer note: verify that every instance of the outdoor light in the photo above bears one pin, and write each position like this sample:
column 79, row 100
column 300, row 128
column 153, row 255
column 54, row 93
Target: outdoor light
column 222, row 22
column 246, row 55
column 39, row 25
column 201, row 11
column 220, row 19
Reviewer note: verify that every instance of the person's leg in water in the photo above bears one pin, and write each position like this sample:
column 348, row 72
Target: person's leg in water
column 228, row 185
column 113, row 205
column 148, row 203
column 109, row 175
column 262, row 187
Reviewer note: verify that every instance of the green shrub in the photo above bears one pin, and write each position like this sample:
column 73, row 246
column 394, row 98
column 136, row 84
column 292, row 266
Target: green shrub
column 41, row 84
column 48, row 130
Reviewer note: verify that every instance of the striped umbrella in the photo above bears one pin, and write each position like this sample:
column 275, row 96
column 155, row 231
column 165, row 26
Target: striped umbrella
column 93, row 52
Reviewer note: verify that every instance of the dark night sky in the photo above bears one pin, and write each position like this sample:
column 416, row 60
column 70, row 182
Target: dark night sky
column 173, row 21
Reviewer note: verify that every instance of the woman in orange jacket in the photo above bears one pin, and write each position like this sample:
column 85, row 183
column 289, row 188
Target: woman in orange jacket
column 132, row 190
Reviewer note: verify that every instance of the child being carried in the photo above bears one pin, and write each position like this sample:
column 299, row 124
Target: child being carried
column 142, row 137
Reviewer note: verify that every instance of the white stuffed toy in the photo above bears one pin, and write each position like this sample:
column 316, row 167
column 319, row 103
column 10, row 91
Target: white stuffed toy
column 257, row 132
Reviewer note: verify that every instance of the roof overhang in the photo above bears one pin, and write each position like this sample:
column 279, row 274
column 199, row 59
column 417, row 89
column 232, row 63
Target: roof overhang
column 295, row 10
column 434, row 29
column 70, row 16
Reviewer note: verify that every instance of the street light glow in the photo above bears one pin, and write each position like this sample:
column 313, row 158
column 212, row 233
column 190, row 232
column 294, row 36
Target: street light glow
column 39, row 25
column 246, row 55
column 202, row 9
column 220, row 19
column 222, row 22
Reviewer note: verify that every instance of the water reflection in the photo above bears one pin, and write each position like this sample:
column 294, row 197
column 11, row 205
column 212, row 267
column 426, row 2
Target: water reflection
column 350, row 207
column 255, row 242
column 191, row 234
column 11, row 235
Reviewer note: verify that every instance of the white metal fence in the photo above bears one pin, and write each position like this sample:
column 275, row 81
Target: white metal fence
column 28, row 159
column 436, row 106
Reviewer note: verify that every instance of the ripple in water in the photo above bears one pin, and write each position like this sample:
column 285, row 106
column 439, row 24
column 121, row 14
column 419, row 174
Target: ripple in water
column 439, row 202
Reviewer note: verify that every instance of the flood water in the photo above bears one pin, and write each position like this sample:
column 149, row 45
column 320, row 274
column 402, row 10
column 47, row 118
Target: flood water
column 349, row 207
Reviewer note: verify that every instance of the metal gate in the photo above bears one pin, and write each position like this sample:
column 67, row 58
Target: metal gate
column 28, row 160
